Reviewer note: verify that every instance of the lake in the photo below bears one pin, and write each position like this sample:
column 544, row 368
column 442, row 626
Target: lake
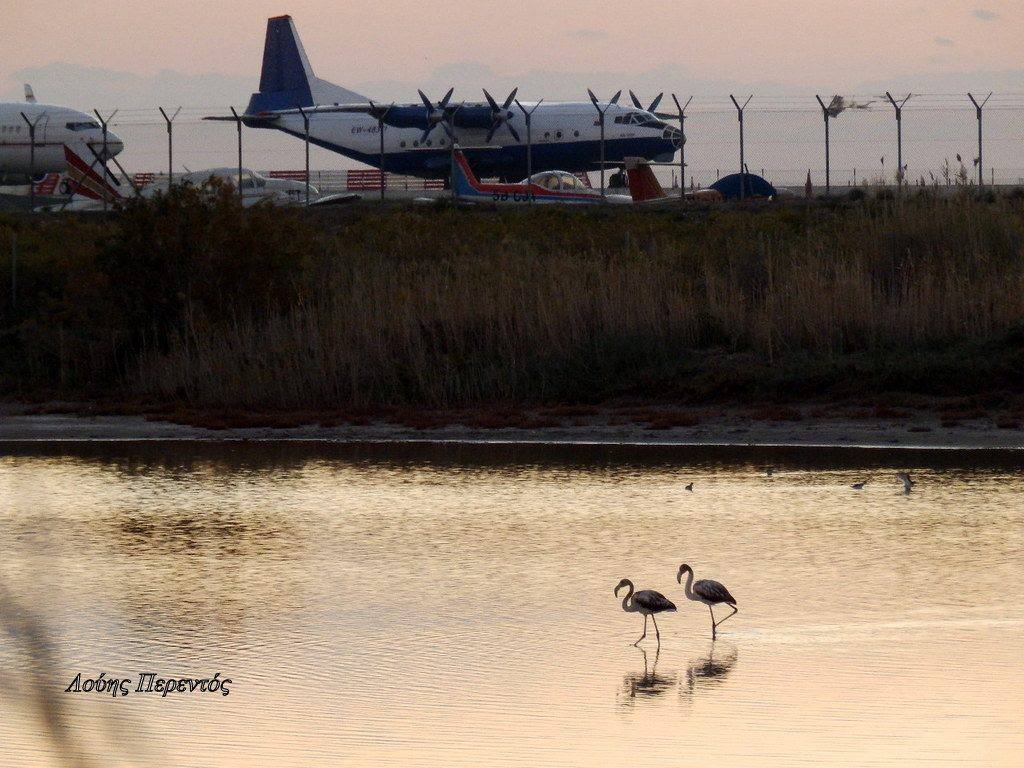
column 451, row 605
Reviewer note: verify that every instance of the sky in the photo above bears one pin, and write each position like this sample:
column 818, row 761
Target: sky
column 146, row 53
column 205, row 57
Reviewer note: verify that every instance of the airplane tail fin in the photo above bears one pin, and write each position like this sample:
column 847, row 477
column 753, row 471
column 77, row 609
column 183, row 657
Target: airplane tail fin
column 84, row 179
column 643, row 185
column 30, row 97
column 287, row 81
column 464, row 181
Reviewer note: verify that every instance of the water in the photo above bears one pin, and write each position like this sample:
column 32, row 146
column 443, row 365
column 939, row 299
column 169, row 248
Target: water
column 452, row 606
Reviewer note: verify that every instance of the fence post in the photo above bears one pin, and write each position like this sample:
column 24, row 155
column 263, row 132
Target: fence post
column 898, row 106
column 238, row 123
column 601, row 113
column 14, row 270
column 380, row 113
column 682, row 143
column 743, row 162
column 305, row 122
column 32, row 158
column 170, row 143
column 981, row 165
column 528, row 118
column 828, row 154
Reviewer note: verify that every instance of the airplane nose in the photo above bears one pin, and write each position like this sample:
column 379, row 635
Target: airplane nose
column 114, row 144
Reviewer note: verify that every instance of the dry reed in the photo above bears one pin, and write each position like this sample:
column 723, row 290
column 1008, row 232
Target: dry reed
column 447, row 309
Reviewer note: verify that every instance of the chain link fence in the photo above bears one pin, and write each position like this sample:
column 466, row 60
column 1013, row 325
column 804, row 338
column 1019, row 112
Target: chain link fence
column 784, row 142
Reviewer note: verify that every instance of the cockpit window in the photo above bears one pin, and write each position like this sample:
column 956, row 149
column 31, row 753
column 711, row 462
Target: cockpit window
column 637, row 118
column 548, row 180
column 84, row 125
column 568, row 181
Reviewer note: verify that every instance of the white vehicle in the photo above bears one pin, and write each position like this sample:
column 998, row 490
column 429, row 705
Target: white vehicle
column 255, row 187
column 417, row 137
column 21, row 158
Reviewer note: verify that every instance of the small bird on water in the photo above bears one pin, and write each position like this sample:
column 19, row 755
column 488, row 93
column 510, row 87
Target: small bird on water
column 859, row 486
column 905, row 478
column 770, row 471
column 708, row 592
column 646, row 602
column 689, row 487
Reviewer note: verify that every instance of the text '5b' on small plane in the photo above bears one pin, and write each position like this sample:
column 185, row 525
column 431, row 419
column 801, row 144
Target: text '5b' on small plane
column 415, row 138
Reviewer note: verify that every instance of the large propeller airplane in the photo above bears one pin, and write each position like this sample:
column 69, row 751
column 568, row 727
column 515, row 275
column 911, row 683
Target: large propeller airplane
column 404, row 138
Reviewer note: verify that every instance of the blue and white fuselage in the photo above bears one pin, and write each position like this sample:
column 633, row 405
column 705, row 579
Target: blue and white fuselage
column 417, row 137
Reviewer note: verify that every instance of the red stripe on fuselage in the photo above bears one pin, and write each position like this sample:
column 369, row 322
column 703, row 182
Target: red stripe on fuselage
column 517, row 190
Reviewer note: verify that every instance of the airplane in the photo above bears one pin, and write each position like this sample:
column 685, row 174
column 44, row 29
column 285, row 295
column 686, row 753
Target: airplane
column 90, row 192
column 55, row 127
column 544, row 187
column 645, row 189
column 417, row 137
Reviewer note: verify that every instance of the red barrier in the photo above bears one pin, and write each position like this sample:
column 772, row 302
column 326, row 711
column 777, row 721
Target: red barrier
column 47, row 185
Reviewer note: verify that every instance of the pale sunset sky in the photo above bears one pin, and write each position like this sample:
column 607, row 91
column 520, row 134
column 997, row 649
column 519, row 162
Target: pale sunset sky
column 165, row 51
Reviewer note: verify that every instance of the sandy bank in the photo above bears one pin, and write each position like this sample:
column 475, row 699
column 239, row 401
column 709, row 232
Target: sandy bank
column 718, row 428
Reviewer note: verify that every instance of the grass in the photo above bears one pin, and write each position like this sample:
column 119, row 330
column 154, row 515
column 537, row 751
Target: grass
column 208, row 307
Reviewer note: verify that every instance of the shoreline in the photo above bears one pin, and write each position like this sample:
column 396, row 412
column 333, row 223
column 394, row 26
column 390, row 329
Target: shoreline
column 729, row 428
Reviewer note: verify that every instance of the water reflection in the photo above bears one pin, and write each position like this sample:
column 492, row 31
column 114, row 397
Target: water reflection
column 647, row 685
column 28, row 689
column 709, row 670
column 396, row 605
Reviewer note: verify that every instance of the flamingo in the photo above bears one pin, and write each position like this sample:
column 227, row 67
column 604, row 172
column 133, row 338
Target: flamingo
column 646, row 602
column 708, row 592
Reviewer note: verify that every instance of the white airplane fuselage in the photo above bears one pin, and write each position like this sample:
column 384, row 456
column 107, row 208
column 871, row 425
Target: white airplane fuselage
column 55, row 126
column 564, row 136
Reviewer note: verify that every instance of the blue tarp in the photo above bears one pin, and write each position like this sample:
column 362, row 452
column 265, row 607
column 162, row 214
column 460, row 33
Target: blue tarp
column 729, row 186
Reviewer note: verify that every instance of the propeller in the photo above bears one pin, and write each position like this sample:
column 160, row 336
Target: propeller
column 501, row 115
column 439, row 114
column 654, row 104
column 611, row 102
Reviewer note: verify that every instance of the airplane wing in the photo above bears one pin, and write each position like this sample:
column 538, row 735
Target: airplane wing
column 249, row 120
column 365, row 109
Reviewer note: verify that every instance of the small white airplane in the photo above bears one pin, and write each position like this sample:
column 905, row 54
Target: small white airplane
column 55, row 127
column 417, row 137
column 257, row 188
column 546, row 187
